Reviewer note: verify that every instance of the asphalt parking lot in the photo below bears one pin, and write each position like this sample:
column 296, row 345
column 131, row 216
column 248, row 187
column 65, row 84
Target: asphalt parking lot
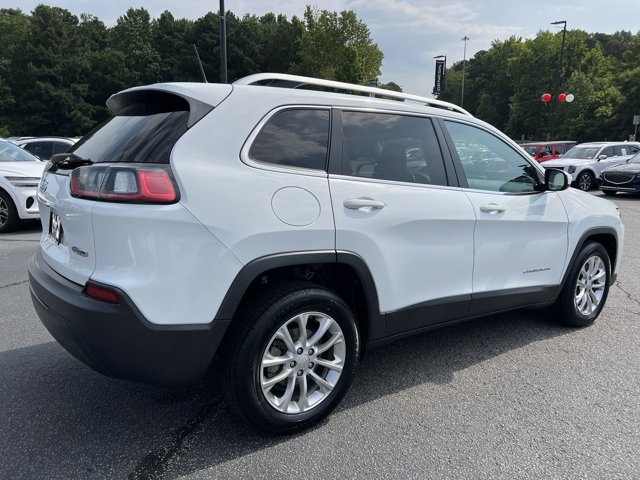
column 507, row 396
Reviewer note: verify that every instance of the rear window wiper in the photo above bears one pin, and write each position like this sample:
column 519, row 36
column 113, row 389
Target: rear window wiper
column 65, row 161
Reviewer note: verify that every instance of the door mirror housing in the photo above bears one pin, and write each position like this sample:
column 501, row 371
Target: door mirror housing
column 556, row 180
column 601, row 157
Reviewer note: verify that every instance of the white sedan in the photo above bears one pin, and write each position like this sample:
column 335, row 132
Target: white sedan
column 20, row 174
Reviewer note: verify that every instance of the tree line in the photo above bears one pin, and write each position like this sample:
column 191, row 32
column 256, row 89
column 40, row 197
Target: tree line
column 57, row 70
column 504, row 85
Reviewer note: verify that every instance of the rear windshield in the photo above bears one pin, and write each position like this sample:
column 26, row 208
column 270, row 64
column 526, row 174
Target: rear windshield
column 144, row 139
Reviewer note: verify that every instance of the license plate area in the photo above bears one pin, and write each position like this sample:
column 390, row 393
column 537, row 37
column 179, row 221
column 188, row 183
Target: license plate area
column 55, row 227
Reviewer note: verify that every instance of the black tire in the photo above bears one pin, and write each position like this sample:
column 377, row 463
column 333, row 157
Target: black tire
column 585, row 181
column 609, row 193
column 8, row 214
column 254, row 332
column 565, row 308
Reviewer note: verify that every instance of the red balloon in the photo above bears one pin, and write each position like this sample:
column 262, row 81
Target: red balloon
column 562, row 97
column 546, row 97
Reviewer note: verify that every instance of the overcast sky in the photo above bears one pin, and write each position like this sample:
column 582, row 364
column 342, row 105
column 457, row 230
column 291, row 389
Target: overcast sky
column 409, row 32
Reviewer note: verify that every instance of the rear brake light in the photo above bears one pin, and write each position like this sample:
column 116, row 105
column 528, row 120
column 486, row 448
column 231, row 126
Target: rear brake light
column 135, row 184
column 101, row 293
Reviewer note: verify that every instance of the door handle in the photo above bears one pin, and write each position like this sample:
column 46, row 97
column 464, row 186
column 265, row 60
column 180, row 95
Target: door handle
column 364, row 204
column 492, row 208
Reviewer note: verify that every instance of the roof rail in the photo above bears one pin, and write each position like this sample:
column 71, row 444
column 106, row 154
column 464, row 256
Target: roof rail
column 295, row 81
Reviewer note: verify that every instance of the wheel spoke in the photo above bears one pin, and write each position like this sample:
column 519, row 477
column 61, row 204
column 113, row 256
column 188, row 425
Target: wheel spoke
column 271, row 361
column 285, row 400
column 302, row 324
column 330, row 343
column 324, row 386
column 303, row 401
column 333, row 365
column 268, row 383
column 325, row 324
column 284, row 335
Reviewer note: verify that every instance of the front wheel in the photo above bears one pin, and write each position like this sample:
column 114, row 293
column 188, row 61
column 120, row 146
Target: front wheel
column 585, row 291
column 585, row 181
column 292, row 357
column 8, row 214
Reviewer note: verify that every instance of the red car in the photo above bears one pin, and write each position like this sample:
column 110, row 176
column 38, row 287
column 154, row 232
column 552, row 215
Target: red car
column 543, row 151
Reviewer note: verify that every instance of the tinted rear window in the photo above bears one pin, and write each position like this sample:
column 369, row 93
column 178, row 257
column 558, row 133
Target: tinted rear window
column 145, row 138
column 295, row 138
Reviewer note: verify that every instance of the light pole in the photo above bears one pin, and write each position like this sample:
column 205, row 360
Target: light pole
column 465, row 39
column 441, row 68
column 223, row 45
column 556, row 85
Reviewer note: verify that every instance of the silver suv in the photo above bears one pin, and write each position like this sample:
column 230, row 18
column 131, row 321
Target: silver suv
column 586, row 161
column 283, row 230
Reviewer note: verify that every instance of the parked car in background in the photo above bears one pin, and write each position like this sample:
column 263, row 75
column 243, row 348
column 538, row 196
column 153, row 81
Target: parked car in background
column 20, row 174
column 45, row 147
column 622, row 178
column 543, row 151
column 586, row 161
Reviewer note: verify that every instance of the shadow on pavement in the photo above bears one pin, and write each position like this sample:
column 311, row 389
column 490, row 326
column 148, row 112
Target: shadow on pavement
column 60, row 409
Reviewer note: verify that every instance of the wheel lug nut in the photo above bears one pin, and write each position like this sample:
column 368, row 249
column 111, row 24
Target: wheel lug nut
column 292, row 364
column 311, row 365
column 299, row 373
column 311, row 351
column 300, row 351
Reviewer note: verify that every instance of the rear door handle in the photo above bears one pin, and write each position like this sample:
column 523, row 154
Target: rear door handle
column 364, row 204
column 492, row 208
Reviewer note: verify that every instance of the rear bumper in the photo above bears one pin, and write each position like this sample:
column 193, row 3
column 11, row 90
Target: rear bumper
column 117, row 340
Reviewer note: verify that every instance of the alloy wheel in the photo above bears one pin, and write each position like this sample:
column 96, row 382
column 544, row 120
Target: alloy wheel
column 302, row 362
column 590, row 286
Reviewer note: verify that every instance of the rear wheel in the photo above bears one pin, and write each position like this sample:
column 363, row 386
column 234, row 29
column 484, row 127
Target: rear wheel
column 585, row 291
column 585, row 181
column 8, row 214
column 292, row 357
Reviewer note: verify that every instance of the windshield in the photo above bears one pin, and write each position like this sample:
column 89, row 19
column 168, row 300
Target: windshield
column 12, row 153
column 582, row 152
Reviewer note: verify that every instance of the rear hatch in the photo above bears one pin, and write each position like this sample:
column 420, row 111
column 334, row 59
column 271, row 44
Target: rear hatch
column 125, row 160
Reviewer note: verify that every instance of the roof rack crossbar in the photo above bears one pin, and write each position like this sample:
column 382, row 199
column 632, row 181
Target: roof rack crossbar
column 295, row 81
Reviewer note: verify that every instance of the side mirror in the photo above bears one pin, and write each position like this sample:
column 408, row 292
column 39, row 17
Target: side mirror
column 601, row 157
column 556, row 180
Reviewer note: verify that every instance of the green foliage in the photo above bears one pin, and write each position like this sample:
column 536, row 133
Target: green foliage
column 337, row 46
column 58, row 70
column 503, row 85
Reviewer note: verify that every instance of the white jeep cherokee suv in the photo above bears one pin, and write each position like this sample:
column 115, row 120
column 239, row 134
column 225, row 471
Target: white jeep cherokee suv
column 586, row 161
column 285, row 229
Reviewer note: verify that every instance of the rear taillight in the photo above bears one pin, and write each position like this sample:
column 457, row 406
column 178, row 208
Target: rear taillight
column 115, row 183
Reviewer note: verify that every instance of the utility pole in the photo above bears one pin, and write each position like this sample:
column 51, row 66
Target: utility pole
column 465, row 39
column 556, row 85
column 223, row 45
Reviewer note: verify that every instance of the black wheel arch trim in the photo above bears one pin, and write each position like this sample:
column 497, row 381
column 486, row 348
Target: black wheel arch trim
column 580, row 243
column 255, row 268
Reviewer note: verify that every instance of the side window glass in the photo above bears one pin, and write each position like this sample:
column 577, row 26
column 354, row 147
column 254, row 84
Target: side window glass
column 607, row 151
column 393, row 147
column 294, row 138
column 41, row 149
column 489, row 163
column 633, row 150
column 59, row 147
